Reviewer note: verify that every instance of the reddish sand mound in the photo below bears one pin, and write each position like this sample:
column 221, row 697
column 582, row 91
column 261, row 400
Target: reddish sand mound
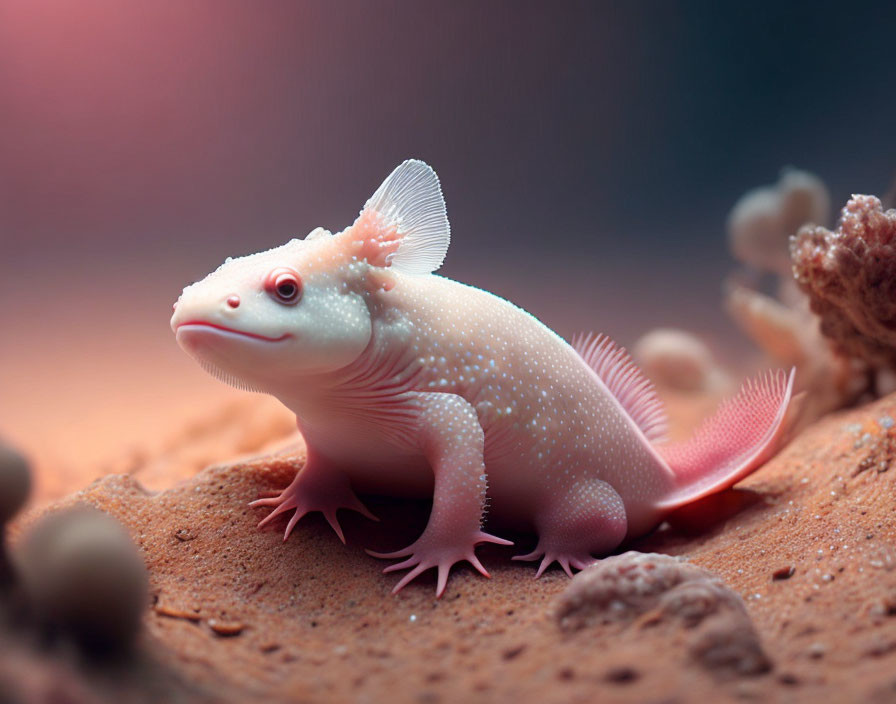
column 807, row 542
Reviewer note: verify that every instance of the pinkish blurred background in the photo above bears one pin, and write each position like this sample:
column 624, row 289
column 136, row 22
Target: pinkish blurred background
column 589, row 153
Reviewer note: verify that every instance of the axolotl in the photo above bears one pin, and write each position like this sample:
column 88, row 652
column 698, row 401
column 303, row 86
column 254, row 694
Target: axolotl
column 407, row 383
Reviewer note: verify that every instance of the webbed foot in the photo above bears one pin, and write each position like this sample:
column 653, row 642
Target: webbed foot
column 568, row 561
column 588, row 519
column 439, row 551
column 313, row 489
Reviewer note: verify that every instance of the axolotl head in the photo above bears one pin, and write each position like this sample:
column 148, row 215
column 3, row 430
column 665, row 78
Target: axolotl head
column 304, row 308
column 261, row 319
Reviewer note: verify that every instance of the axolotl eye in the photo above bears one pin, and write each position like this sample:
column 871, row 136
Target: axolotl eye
column 284, row 285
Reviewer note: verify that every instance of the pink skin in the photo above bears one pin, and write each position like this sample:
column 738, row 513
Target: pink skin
column 409, row 384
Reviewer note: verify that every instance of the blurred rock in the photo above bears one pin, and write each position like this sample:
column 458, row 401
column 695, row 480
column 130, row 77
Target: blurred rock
column 26, row 678
column 678, row 360
column 15, row 485
column 627, row 586
column 82, row 576
column 790, row 335
column 729, row 646
column 659, row 588
column 782, row 325
column 762, row 221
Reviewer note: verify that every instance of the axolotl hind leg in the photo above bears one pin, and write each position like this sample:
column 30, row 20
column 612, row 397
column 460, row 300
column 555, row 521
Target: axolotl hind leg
column 452, row 440
column 317, row 487
column 585, row 520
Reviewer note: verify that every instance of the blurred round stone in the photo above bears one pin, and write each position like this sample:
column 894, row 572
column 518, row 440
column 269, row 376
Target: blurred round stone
column 15, row 483
column 762, row 221
column 82, row 574
column 676, row 359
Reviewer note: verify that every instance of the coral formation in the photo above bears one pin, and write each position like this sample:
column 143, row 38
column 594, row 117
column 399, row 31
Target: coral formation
column 788, row 332
column 849, row 275
column 782, row 325
column 832, row 314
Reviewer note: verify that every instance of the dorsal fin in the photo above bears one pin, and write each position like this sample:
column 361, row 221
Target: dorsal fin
column 628, row 384
column 410, row 199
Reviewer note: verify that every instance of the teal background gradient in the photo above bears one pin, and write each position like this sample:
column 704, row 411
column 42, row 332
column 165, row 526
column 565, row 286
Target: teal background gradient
column 589, row 153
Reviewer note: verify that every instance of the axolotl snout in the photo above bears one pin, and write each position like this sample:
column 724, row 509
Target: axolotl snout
column 404, row 383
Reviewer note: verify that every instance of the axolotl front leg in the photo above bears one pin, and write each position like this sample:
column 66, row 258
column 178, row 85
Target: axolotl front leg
column 452, row 440
column 317, row 487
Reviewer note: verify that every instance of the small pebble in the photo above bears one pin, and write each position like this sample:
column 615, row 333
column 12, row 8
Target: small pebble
column 515, row 651
column 172, row 612
column 15, row 483
column 783, row 573
column 817, row 650
column 676, row 359
column 622, row 674
column 82, row 575
column 226, row 628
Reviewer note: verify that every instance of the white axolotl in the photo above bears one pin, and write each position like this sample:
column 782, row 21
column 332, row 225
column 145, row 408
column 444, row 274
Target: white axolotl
column 409, row 384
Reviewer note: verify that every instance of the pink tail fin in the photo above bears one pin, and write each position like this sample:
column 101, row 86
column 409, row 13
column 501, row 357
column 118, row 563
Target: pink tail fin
column 743, row 434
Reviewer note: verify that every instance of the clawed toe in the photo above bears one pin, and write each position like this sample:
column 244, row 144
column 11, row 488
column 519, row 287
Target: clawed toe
column 413, row 574
column 583, row 563
column 281, row 508
column 266, row 501
column 477, row 565
column 357, row 506
column 529, row 556
column 292, row 523
column 389, row 555
column 565, row 560
column 483, row 537
column 410, row 562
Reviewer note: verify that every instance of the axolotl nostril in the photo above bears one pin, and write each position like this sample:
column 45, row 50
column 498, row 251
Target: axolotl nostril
column 407, row 383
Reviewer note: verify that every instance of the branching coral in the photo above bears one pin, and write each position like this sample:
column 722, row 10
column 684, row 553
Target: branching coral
column 849, row 275
column 832, row 313
column 760, row 227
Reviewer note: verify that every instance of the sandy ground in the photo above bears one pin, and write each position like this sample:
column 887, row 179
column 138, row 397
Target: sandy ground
column 807, row 543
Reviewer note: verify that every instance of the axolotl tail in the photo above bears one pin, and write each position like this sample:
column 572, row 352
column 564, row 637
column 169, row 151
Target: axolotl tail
column 744, row 433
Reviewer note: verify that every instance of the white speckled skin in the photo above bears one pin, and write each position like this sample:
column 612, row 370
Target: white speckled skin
column 411, row 384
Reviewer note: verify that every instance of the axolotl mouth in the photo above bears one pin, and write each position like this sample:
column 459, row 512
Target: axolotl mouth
column 201, row 325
